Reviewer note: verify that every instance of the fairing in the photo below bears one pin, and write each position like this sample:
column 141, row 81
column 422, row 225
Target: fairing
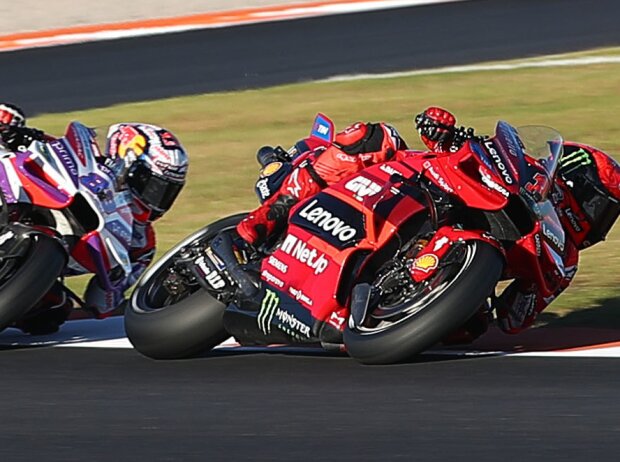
column 65, row 177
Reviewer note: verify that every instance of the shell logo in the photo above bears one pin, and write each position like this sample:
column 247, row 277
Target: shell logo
column 426, row 262
column 270, row 169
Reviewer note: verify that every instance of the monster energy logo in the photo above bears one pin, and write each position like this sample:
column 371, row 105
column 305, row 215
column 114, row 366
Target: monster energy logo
column 287, row 322
column 267, row 311
column 574, row 160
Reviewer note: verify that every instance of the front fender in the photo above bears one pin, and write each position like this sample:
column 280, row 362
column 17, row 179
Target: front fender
column 14, row 236
column 428, row 259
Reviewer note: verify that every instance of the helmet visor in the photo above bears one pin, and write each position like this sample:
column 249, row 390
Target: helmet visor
column 154, row 191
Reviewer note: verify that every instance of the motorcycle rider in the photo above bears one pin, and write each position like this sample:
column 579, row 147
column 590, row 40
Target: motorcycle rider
column 149, row 162
column 353, row 149
column 587, row 191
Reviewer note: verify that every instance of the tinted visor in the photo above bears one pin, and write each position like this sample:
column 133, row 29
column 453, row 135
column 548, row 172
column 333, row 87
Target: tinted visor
column 154, row 191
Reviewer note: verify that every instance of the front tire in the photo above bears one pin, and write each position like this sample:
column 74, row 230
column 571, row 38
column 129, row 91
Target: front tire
column 391, row 342
column 30, row 278
column 180, row 328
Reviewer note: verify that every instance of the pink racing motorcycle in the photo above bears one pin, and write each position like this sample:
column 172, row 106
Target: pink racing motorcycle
column 60, row 215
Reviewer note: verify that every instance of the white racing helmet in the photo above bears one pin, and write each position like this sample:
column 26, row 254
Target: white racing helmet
column 156, row 164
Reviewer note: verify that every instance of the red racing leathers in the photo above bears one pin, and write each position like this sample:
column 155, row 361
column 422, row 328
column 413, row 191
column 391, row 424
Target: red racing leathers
column 520, row 303
column 355, row 148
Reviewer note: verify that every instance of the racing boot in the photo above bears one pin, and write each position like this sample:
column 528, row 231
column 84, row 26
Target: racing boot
column 48, row 314
column 223, row 247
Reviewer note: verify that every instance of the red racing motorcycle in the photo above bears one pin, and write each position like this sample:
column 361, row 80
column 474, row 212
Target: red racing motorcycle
column 386, row 263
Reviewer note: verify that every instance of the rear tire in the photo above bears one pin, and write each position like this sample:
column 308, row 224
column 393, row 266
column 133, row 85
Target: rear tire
column 184, row 328
column 35, row 276
column 421, row 330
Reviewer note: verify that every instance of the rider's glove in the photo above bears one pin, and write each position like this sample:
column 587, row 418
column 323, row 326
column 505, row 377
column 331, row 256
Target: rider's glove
column 11, row 115
column 16, row 137
column 436, row 127
column 100, row 301
column 267, row 155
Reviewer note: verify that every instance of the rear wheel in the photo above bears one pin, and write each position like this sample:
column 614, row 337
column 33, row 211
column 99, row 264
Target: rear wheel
column 27, row 277
column 410, row 318
column 172, row 316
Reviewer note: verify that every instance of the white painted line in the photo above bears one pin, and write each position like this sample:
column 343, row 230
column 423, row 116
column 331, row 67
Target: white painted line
column 201, row 21
column 611, row 352
column 553, row 62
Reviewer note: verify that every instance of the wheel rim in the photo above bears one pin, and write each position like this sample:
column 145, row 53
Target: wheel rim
column 151, row 295
column 382, row 317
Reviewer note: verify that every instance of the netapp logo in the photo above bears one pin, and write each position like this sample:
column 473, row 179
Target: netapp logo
column 300, row 251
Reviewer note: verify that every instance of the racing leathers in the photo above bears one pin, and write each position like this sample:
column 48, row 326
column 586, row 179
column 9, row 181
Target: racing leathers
column 355, row 148
column 519, row 304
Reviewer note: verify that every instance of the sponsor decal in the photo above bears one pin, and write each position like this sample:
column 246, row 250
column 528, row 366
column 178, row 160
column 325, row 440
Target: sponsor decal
column 294, row 187
column 268, row 308
column 390, row 170
column 441, row 181
column 305, row 254
column 439, row 243
column 6, row 236
column 168, row 140
column 277, row 264
column 426, row 263
column 321, row 129
column 300, row 296
column 263, row 189
column 499, row 163
column 65, row 157
column 572, row 219
column 537, row 244
column 270, row 169
column 327, row 221
column 292, row 322
column 336, row 320
column 488, row 182
column 362, row 187
column 270, row 278
column 131, row 142
column 574, row 160
column 214, row 279
column 346, row 158
column 553, row 238
column 120, row 230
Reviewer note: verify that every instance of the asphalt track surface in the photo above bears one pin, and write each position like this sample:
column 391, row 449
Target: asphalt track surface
column 64, row 404
column 68, row 404
column 100, row 74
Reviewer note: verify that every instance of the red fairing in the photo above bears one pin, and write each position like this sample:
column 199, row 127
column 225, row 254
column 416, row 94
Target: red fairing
column 305, row 266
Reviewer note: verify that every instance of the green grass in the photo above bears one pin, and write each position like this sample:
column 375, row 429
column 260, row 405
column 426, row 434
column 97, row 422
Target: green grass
column 222, row 132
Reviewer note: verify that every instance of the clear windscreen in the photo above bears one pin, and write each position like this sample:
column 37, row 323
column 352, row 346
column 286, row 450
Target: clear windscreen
column 544, row 144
